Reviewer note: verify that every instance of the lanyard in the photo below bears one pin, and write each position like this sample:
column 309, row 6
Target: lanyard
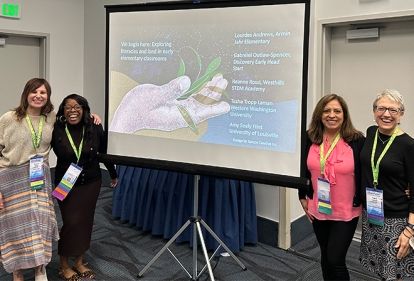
column 375, row 167
column 36, row 137
column 77, row 151
column 323, row 158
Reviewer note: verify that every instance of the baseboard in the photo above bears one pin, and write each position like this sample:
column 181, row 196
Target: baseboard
column 268, row 230
column 300, row 229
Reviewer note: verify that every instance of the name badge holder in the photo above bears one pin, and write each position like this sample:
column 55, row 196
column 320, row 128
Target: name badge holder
column 36, row 173
column 375, row 206
column 324, row 196
column 72, row 173
column 67, row 182
column 324, row 186
column 375, row 196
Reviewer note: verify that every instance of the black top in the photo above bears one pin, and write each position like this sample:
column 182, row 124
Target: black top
column 396, row 172
column 93, row 144
column 356, row 146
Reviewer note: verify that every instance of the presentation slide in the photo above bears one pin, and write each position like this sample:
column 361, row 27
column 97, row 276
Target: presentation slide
column 219, row 86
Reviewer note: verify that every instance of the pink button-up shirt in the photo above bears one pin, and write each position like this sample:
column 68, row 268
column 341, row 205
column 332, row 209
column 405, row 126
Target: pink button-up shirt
column 339, row 170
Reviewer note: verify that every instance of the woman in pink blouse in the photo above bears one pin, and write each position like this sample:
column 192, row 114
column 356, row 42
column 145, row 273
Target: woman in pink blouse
column 333, row 202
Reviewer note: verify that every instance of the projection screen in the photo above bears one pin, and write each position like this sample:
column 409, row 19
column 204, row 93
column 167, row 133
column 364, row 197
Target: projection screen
column 215, row 88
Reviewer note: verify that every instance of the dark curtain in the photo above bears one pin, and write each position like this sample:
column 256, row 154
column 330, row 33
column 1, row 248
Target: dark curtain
column 160, row 202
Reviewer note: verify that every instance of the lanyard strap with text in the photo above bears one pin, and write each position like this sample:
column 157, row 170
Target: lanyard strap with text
column 322, row 157
column 375, row 166
column 77, row 151
column 36, row 137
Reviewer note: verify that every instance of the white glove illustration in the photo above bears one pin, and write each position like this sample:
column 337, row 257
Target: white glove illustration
column 149, row 106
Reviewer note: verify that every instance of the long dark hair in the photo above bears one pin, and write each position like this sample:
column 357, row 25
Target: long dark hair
column 30, row 87
column 316, row 127
column 86, row 119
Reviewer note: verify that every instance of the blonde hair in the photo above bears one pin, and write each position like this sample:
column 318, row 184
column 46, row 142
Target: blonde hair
column 391, row 94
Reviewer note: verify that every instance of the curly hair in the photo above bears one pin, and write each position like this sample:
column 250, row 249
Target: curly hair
column 86, row 119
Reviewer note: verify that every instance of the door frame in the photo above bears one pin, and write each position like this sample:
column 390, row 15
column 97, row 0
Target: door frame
column 44, row 50
column 323, row 39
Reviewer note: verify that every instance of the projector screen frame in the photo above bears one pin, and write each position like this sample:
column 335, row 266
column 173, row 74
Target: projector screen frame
column 197, row 169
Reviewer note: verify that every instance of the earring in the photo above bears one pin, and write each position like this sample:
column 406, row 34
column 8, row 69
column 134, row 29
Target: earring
column 62, row 119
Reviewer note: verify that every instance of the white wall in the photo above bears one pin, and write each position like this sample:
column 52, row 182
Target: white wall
column 351, row 8
column 267, row 201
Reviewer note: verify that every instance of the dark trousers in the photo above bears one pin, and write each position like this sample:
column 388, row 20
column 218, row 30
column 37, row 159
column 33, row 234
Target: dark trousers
column 334, row 238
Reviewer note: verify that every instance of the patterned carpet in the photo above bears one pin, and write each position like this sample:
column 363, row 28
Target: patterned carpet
column 119, row 252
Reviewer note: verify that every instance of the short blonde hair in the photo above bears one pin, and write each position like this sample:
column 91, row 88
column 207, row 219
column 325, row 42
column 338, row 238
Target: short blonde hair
column 391, row 94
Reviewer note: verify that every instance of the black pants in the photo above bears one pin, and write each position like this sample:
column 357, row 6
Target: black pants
column 334, row 238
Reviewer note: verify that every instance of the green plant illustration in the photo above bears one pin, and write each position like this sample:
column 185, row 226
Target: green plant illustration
column 200, row 82
column 188, row 119
column 197, row 85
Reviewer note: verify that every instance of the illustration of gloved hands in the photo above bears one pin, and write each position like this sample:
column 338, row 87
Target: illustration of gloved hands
column 149, row 106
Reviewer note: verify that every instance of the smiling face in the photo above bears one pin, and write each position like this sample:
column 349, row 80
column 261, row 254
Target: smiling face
column 73, row 112
column 36, row 100
column 387, row 114
column 332, row 116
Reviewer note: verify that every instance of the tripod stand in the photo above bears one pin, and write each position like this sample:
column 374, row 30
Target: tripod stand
column 198, row 222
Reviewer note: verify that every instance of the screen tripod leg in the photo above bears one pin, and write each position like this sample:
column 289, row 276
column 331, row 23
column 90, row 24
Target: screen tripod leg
column 205, row 225
column 160, row 252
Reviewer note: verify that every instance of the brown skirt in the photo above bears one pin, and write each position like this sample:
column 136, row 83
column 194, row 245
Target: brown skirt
column 78, row 210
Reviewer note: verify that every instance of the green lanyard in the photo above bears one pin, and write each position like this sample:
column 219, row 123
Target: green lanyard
column 323, row 158
column 77, row 151
column 36, row 137
column 375, row 167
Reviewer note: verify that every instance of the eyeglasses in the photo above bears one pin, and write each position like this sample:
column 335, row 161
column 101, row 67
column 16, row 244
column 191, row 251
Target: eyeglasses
column 336, row 111
column 391, row 110
column 69, row 108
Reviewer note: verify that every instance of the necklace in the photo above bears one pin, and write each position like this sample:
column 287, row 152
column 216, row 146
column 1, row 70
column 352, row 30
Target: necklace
column 383, row 141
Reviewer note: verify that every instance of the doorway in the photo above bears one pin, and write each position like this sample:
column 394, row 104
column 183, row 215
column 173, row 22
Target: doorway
column 23, row 56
